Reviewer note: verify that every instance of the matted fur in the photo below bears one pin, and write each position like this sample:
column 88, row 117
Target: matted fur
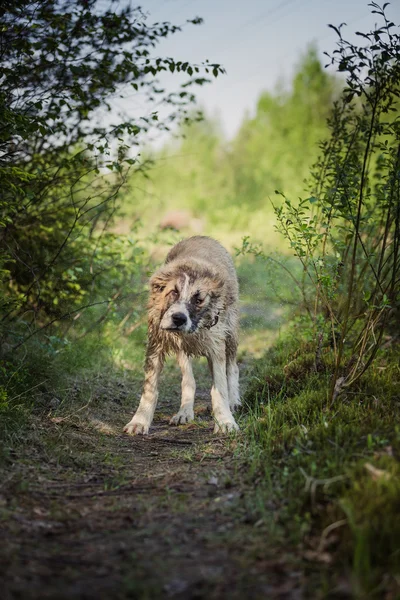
column 193, row 311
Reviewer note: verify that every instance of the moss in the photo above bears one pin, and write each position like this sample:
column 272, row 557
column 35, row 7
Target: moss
column 318, row 460
column 372, row 507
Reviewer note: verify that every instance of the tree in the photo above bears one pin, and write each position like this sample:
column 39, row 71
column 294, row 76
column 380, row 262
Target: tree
column 62, row 63
column 276, row 147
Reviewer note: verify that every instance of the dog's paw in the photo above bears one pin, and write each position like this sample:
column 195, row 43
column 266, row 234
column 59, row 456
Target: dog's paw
column 235, row 405
column 182, row 417
column 136, row 427
column 225, row 427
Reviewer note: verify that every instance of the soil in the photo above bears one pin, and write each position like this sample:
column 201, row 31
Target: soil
column 87, row 512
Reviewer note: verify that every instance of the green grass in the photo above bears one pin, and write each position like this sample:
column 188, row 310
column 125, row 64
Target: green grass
column 331, row 473
column 325, row 478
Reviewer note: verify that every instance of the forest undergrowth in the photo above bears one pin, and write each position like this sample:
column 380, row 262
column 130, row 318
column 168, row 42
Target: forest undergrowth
column 304, row 501
column 313, row 483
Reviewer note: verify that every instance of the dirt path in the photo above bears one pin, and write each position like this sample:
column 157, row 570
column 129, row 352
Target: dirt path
column 86, row 512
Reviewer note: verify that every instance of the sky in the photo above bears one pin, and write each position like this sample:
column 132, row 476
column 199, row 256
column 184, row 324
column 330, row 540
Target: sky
column 258, row 42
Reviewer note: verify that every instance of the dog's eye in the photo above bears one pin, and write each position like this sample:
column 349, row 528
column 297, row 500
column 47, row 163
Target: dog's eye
column 197, row 300
column 173, row 294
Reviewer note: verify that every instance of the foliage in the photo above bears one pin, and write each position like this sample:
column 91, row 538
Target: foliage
column 228, row 185
column 63, row 161
column 330, row 470
column 347, row 234
column 278, row 145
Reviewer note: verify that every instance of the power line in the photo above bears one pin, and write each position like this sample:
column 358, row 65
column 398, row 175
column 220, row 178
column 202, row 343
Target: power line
column 257, row 19
column 262, row 16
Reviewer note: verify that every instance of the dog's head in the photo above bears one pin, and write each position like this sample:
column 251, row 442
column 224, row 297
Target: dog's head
column 185, row 298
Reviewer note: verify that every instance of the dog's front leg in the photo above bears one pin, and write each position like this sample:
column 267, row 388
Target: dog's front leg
column 143, row 417
column 224, row 421
column 185, row 413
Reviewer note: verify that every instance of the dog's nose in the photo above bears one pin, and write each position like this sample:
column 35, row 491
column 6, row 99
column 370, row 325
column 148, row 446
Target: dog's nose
column 179, row 319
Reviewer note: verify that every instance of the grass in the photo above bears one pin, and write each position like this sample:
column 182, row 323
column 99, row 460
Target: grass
column 324, row 479
column 330, row 473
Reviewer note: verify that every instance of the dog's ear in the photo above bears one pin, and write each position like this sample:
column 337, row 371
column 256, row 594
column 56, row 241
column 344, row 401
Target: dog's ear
column 215, row 285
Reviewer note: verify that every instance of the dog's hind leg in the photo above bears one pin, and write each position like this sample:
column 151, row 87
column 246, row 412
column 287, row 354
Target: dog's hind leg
column 143, row 417
column 185, row 413
column 232, row 373
column 224, row 421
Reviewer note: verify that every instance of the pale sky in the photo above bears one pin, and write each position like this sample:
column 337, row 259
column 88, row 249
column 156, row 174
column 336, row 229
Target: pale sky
column 258, row 42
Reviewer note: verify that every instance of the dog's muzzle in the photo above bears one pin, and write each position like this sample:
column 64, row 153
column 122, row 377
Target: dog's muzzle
column 176, row 321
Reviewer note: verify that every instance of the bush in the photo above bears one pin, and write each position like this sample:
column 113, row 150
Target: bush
column 347, row 234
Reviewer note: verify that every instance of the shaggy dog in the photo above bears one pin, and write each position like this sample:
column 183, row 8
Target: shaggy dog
column 193, row 311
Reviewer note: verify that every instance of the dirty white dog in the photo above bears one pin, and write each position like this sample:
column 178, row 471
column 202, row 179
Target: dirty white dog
column 193, row 311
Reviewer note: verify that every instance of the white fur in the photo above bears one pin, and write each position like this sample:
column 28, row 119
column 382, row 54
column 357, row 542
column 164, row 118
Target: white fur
column 224, row 421
column 143, row 417
column 232, row 372
column 186, row 412
column 185, row 288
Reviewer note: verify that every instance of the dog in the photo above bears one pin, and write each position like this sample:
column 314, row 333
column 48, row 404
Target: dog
column 193, row 311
